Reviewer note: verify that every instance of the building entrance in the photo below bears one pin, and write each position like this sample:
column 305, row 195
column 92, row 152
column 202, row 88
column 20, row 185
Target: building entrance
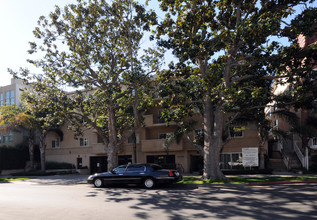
column 196, row 164
column 98, row 164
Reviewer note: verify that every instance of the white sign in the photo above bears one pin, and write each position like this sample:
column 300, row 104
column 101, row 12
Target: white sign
column 250, row 157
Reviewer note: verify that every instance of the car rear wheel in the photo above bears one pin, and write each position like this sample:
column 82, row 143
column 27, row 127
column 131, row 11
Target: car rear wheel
column 98, row 183
column 149, row 183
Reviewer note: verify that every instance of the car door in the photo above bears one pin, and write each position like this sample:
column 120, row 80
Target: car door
column 116, row 175
column 135, row 173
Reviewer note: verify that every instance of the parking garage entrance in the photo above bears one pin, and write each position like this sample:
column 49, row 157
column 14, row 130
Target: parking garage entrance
column 98, row 164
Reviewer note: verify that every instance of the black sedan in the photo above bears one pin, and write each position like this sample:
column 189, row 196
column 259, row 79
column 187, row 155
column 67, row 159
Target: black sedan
column 149, row 175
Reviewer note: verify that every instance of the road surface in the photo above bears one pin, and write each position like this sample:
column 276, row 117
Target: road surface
column 54, row 198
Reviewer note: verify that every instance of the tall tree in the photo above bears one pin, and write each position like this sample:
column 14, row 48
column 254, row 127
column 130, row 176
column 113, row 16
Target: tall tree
column 44, row 113
column 14, row 118
column 94, row 47
column 225, row 49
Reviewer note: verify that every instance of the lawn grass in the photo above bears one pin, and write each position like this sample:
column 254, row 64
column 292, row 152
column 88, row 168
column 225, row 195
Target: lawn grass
column 6, row 179
column 239, row 179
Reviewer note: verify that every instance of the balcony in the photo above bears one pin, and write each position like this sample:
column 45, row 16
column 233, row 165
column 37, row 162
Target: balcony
column 151, row 121
column 156, row 145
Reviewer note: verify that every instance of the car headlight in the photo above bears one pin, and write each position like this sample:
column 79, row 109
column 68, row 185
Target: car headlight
column 90, row 177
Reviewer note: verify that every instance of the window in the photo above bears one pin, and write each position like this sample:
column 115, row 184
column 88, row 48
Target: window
column 136, row 168
column 236, row 132
column 83, row 142
column 230, row 161
column 55, row 143
column 9, row 98
column 8, row 138
column 164, row 135
column 137, row 137
column 120, row 169
column 160, row 117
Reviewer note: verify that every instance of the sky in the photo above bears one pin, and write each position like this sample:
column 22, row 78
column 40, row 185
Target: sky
column 18, row 18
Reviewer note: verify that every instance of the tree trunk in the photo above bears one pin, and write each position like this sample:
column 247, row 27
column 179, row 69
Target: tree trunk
column 112, row 157
column 262, row 158
column 42, row 151
column 263, row 137
column 216, row 145
column 134, row 157
column 208, row 130
column 31, row 149
column 112, row 154
column 136, row 120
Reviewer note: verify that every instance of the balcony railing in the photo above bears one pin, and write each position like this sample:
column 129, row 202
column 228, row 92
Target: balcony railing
column 303, row 157
column 312, row 143
column 150, row 120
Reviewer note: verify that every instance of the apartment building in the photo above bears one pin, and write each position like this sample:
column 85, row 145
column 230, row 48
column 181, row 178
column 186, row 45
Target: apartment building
column 9, row 95
column 89, row 152
column 297, row 150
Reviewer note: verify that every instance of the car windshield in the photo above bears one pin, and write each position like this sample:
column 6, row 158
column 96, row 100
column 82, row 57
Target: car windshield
column 156, row 167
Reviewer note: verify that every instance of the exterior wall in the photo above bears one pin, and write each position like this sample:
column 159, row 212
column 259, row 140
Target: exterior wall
column 149, row 144
column 248, row 139
column 69, row 148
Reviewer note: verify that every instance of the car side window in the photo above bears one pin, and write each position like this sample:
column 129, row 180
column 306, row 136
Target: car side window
column 136, row 168
column 120, row 169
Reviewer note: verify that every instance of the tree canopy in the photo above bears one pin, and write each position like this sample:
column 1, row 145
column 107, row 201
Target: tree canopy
column 227, row 61
column 93, row 47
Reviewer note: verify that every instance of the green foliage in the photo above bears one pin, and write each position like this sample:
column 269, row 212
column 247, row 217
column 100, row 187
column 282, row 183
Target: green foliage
column 228, row 58
column 6, row 180
column 59, row 165
column 254, row 179
column 13, row 117
column 93, row 47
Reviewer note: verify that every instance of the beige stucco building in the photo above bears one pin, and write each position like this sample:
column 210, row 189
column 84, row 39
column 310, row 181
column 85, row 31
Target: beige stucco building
column 89, row 152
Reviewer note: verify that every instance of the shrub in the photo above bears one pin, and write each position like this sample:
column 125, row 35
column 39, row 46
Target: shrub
column 13, row 157
column 58, row 165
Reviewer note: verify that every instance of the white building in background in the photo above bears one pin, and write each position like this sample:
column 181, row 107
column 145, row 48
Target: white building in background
column 9, row 95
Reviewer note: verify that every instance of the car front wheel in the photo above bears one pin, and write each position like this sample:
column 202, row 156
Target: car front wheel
column 149, row 183
column 98, row 183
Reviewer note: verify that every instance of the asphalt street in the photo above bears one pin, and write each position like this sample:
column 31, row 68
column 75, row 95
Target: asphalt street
column 69, row 197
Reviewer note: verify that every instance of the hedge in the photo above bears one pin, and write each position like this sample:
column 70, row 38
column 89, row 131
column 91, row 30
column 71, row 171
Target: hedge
column 13, row 157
